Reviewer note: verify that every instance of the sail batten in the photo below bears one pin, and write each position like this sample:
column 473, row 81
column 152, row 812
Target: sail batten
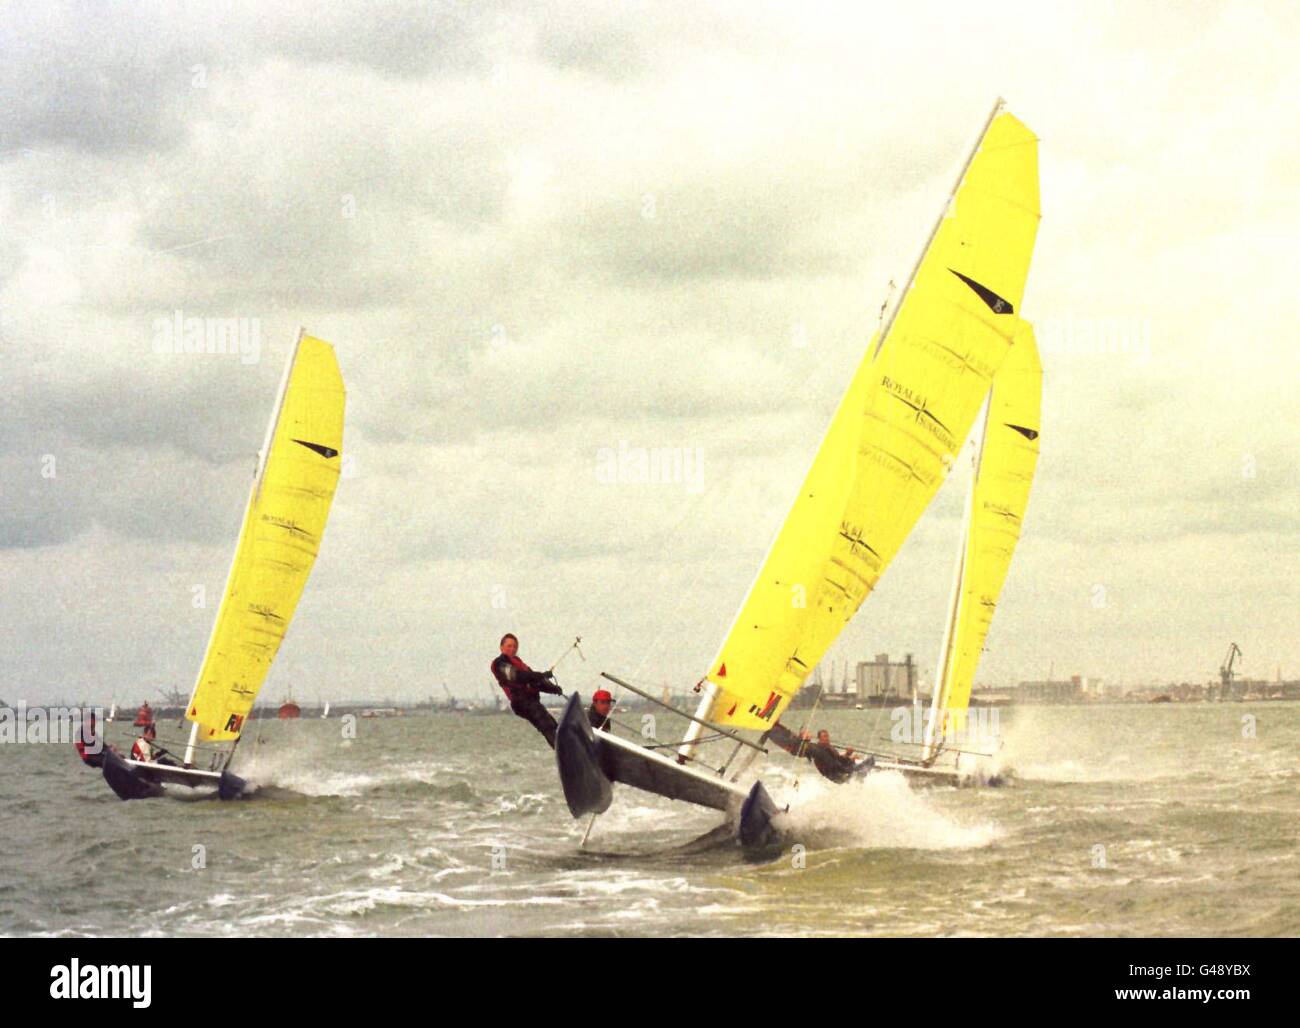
column 279, row 540
column 904, row 416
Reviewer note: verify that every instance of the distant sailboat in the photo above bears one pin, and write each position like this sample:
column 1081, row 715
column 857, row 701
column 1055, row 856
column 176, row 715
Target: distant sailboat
column 904, row 417
column 326, row 712
column 288, row 506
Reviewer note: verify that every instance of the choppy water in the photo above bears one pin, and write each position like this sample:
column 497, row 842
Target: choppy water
column 455, row 825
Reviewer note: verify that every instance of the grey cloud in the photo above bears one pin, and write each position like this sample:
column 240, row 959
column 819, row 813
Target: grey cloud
column 66, row 79
column 502, row 308
column 120, row 77
column 59, row 489
column 406, row 39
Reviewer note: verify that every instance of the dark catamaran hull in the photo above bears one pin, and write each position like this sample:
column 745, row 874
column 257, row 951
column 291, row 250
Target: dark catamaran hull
column 587, row 777
column 590, row 763
column 230, row 787
column 918, row 774
column 133, row 780
column 128, row 782
column 958, row 779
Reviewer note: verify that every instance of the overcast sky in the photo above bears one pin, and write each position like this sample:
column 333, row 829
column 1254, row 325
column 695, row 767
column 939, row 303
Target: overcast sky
column 538, row 233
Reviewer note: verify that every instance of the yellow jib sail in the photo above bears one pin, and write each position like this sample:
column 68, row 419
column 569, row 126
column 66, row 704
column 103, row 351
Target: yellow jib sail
column 999, row 495
column 278, row 543
column 905, row 415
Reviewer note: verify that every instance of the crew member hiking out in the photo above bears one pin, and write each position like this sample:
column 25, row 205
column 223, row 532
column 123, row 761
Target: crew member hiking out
column 145, row 749
column 830, row 764
column 521, row 684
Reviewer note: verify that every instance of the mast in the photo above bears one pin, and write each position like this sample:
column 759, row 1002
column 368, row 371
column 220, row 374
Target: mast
column 711, row 690
column 262, row 455
column 934, row 230
column 189, row 746
column 939, row 694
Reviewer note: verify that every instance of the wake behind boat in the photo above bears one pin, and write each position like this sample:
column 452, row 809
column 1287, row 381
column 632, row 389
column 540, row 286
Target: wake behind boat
column 288, row 506
column 953, row 347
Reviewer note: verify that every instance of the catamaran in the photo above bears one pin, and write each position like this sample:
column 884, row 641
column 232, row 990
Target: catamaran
column 953, row 347
column 288, row 505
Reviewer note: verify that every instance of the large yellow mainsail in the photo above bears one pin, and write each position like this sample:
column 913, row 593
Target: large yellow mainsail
column 905, row 415
column 999, row 495
column 281, row 534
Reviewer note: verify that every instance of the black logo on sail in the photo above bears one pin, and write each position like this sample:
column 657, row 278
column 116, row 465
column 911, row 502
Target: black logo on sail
column 324, row 451
column 995, row 303
column 1029, row 433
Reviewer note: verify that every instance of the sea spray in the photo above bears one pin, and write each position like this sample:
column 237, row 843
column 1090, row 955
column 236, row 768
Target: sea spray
column 878, row 811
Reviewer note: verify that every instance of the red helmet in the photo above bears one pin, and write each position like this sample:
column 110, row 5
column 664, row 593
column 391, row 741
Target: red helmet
column 601, row 694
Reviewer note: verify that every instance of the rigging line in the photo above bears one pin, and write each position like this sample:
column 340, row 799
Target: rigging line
column 670, row 745
column 799, row 388
column 180, row 744
column 609, row 720
column 139, row 730
column 253, row 714
column 733, row 736
column 660, row 541
column 889, row 296
column 669, row 622
column 664, row 745
column 688, row 510
column 869, row 748
column 575, row 646
column 880, row 716
column 656, row 745
column 803, row 743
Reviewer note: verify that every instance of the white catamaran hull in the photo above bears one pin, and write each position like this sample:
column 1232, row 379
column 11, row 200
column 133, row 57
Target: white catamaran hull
column 138, row 780
column 590, row 763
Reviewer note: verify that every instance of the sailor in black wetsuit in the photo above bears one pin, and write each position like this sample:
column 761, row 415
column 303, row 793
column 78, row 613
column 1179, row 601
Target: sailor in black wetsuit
column 832, row 765
column 521, row 684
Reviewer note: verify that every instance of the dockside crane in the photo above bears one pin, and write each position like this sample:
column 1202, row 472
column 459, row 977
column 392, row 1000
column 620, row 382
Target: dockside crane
column 1227, row 671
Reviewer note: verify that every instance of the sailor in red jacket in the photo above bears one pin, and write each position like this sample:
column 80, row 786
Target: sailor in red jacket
column 521, row 684
column 602, row 704
column 88, row 744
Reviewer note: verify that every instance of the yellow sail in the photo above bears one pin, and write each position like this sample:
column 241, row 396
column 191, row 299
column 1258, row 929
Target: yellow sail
column 999, row 495
column 905, row 415
column 281, row 534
